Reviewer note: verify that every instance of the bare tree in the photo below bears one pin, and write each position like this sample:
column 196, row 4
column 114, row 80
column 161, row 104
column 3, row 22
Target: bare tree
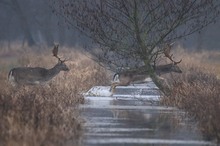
column 134, row 28
column 134, row 32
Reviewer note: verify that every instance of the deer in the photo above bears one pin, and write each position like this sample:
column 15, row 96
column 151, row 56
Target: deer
column 36, row 75
column 138, row 75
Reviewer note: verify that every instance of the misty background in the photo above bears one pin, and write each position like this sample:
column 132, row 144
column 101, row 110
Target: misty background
column 33, row 23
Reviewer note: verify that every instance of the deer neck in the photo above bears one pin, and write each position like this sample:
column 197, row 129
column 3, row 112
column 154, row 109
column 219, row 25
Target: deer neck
column 53, row 71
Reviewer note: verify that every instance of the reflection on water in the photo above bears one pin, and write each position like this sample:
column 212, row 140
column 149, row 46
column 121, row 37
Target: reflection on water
column 114, row 122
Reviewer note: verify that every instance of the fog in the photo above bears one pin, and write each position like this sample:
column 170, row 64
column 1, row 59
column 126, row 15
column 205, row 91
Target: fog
column 32, row 23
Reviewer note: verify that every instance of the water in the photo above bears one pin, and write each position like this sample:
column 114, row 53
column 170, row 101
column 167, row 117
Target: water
column 125, row 120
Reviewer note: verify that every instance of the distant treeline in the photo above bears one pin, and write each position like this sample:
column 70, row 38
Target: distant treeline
column 34, row 23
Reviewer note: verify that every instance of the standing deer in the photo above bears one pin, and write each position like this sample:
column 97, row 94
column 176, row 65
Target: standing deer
column 139, row 75
column 36, row 75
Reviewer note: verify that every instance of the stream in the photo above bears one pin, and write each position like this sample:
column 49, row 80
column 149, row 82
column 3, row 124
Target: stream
column 133, row 116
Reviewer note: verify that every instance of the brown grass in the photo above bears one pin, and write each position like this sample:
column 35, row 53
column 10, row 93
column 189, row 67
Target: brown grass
column 46, row 115
column 197, row 91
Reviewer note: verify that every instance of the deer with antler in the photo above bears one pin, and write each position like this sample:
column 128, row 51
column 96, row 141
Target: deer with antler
column 36, row 75
column 127, row 77
column 167, row 68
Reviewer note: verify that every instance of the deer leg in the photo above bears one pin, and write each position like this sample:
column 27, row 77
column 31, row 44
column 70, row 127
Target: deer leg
column 113, row 86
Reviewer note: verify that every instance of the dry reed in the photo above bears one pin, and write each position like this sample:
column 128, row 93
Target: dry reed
column 46, row 115
column 197, row 91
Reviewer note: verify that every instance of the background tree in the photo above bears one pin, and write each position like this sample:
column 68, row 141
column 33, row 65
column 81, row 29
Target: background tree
column 21, row 15
column 130, row 32
column 29, row 23
column 134, row 32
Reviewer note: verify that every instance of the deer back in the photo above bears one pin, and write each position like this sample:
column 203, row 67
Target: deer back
column 27, row 75
column 168, row 68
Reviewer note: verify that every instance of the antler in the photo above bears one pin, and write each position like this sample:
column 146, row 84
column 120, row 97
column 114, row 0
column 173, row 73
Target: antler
column 167, row 50
column 55, row 52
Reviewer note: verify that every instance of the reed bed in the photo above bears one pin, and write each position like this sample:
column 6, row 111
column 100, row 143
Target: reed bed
column 197, row 91
column 46, row 115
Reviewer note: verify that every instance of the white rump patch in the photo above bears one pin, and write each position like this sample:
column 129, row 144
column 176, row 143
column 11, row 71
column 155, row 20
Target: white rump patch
column 11, row 79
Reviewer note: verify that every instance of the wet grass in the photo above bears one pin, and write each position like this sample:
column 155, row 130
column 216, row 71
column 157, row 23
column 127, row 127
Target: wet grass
column 46, row 115
column 197, row 91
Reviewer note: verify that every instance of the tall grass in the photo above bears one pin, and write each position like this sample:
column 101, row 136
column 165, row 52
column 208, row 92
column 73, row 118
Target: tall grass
column 46, row 115
column 197, row 91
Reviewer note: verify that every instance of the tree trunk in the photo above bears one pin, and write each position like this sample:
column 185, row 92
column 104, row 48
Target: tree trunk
column 160, row 83
column 24, row 23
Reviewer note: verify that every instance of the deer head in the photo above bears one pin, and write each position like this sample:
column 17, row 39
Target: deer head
column 61, row 63
column 174, row 67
